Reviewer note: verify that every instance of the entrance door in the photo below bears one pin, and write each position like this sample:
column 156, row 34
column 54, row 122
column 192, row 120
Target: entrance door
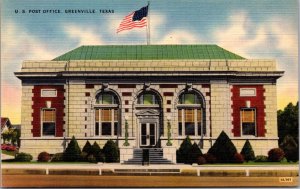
column 148, row 134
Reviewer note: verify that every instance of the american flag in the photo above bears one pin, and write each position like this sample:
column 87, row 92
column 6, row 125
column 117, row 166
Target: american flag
column 136, row 19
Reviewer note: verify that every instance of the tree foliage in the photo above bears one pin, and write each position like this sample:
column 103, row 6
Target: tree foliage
column 223, row 149
column 111, row 152
column 194, row 153
column 288, row 121
column 290, row 148
column 72, row 152
column 248, row 152
column 87, row 147
column 182, row 152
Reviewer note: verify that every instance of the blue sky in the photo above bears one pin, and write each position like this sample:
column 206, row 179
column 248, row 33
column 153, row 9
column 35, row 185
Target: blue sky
column 254, row 29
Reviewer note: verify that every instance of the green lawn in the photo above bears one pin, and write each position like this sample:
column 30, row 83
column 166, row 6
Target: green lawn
column 10, row 153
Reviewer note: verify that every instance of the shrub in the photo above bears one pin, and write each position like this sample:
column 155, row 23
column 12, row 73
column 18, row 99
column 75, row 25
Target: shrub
column 57, row 157
column 223, row 149
column 23, row 157
column 238, row 158
column 111, row 151
column 100, row 157
column 194, row 153
column 209, row 158
column 44, row 157
column 182, row 152
column 275, row 155
column 261, row 158
column 83, row 156
column 248, row 152
column 201, row 160
column 91, row 158
column 95, row 150
column 72, row 152
column 290, row 148
column 87, row 147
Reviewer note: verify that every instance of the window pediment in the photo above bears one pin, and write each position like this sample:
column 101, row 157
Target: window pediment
column 148, row 113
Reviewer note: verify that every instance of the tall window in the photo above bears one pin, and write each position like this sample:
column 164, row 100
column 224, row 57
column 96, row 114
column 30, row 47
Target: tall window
column 248, row 122
column 190, row 115
column 107, row 116
column 148, row 98
column 48, row 122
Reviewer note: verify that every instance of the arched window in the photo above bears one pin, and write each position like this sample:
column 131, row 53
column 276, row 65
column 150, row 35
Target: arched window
column 107, row 114
column 107, row 98
column 190, row 114
column 148, row 98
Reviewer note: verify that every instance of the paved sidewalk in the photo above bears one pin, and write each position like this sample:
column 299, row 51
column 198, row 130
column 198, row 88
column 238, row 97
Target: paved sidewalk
column 113, row 166
column 5, row 157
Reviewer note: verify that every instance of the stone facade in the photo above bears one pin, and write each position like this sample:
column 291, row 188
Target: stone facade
column 212, row 80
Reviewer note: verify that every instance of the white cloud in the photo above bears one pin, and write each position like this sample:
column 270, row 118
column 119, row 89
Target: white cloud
column 275, row 38
column 83, row 35
column 245, row 37
column 240, row 35
column 17, row 45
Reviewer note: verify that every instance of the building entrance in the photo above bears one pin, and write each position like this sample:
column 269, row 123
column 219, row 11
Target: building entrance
column 148, row 135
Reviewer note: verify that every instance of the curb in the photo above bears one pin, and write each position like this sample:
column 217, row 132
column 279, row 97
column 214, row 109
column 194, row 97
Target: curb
column 137, row 172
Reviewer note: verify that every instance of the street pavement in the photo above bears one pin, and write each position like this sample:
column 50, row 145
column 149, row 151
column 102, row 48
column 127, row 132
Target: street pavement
column 60, row 181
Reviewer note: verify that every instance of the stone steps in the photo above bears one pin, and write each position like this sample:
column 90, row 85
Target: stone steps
column 155, row 157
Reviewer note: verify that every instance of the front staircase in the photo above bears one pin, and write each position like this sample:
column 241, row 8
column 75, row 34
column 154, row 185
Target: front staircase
column 155, row 156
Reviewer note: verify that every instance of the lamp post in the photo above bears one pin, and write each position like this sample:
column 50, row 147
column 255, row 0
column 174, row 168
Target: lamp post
column 169, row 143
column 126, row 143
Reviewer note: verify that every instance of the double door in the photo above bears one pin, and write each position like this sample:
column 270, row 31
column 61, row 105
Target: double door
column 148, row 134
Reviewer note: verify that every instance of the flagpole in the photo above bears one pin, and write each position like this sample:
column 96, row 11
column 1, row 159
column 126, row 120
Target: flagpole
column 148, row 24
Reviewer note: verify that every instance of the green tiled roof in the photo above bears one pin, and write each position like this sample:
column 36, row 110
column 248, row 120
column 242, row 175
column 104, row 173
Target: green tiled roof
column 147, row 52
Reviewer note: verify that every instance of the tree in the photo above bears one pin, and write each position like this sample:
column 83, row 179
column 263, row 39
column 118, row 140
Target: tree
column 182, row 152
column 87, row 147
column 72, row 152
column 111, row 151
column 194, row 154
column 223, row 149
column 287, row 120
column 290, row 148
column 248, row 152
column 95, row 149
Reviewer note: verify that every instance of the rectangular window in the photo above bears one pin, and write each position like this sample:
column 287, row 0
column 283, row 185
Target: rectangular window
column 189, row 122
column 48, row 93
column 97, row 129
column 116, row 128
column 248, row 121
column 106, row 121
column 48, row 122
column 199, row 121
column 179, row 122
column 189, row 128
column 106, row 129
column 247, row 91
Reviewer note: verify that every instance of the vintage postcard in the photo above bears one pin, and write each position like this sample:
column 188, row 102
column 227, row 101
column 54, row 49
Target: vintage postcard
column 159, row 93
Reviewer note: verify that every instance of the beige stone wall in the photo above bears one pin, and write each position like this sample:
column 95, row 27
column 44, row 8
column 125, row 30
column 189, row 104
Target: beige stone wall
column 78, row 118
column 270, row 110
column 220, row 108
column 149, row 65
column 26, row 111
column 260, row 146
column 37, row 145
